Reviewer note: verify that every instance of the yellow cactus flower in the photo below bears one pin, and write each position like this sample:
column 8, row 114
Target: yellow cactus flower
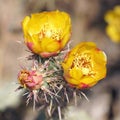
column 112, row 17
column 84, row 65
column 47, row 33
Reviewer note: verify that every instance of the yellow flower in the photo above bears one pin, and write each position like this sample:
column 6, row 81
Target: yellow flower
column 112, row 17
column 47, row 33
column 84, row 65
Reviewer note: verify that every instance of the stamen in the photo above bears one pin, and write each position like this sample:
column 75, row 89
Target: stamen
column 83, row 62
column 50, row 31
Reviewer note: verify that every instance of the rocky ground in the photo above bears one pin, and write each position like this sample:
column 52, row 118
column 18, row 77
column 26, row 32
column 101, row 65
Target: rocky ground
column 87, row 25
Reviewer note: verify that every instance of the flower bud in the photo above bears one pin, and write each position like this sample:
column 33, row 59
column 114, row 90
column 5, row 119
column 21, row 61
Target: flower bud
column 30, row 79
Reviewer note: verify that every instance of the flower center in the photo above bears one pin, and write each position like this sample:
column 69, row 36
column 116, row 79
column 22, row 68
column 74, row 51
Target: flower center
column 50, row 32
column 84, row 63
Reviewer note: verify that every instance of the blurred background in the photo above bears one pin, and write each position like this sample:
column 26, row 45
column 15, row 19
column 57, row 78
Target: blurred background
column 87, row 25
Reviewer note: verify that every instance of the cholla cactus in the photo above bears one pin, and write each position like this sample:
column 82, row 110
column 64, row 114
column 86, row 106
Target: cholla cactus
column 59, row 72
